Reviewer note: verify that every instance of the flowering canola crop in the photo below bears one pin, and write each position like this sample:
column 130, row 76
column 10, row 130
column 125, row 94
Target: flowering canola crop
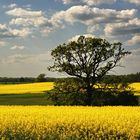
column 69, row 123
column 26, row 88
column 40, row 88
column 136, row 88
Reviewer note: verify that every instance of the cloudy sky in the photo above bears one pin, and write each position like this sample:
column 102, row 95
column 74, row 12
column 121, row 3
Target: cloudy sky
column 30, row 29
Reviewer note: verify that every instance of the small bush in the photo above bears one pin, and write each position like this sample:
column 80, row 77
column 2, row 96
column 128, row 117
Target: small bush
column 67, row 91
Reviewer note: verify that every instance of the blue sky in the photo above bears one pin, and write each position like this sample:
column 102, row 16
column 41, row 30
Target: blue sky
column 30, row 29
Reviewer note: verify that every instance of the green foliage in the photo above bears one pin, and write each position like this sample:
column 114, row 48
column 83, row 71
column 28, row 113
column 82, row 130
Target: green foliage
column 41, row 78
column 130, row 78
column 125, row 98
column 10, row 80
column 69, row 91
column 114, row 93
column 16, row 80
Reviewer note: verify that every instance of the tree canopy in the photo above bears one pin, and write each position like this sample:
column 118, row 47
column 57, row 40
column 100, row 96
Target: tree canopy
column 41, row 78
column 89, row 59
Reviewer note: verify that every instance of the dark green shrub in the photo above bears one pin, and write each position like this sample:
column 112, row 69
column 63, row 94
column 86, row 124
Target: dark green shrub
column 70, row 91
column 67, row 91
column 124, row 98
column 127, row 98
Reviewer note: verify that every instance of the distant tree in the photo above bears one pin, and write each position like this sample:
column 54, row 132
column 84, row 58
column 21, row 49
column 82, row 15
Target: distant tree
column 21, row 79
column 89, row 59
column 41, row 78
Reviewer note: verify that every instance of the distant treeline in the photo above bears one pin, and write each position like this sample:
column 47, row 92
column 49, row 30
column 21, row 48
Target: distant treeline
column 130, row 78
column 8, row 80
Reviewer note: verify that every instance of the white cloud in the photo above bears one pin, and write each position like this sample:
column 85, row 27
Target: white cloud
column 92, row 29
column 88, row 2
column 15, row 47
column 21, row 32
column 36, row 20
column 13, row 5
column 10, row 6
column 16, row 58
column 2, row 27
column 75, row 38
column 134, row 40
column 7, row 32
column 97, row 2
column 28, row 58
column 21, row 12
column 92, row 17
column 130, row 27
column 136, row 52
column 33, row 21
column 2, row 43
column 137, row 2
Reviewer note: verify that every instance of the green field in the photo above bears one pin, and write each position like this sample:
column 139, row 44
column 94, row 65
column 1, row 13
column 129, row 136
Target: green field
column 24, row 99
column 25, row 94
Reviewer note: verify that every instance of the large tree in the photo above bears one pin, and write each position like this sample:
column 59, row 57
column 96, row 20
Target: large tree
column 89, row 59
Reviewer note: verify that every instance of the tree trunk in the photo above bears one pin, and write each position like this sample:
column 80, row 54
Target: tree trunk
column 89, row 96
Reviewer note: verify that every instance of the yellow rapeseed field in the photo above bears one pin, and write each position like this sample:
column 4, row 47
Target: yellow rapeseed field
column 40, row 88
column 26, row 88
column 136, row 87
column 69, row 123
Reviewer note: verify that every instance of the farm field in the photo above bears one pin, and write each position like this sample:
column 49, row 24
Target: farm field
column 40, row 88
column 25, row 94
column 33, row 94
column 136, row 87
column 80, row 123
column 25, row 88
